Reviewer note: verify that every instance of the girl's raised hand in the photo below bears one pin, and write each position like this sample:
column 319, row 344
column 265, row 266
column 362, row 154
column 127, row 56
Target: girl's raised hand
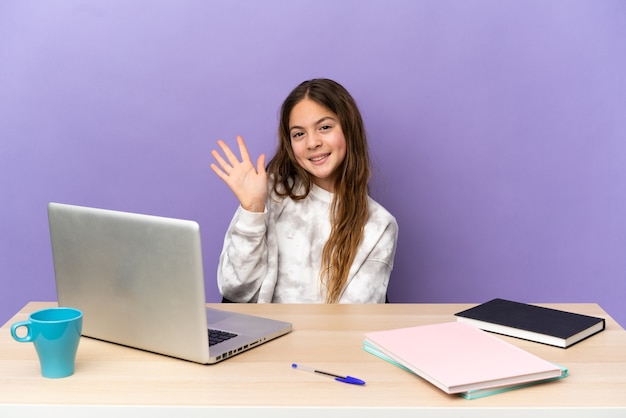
column 249, row 184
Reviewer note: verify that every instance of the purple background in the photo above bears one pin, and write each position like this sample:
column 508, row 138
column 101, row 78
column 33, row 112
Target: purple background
column 497, row 129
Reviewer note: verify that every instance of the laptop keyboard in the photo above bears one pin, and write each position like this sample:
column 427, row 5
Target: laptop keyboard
column 217, row 336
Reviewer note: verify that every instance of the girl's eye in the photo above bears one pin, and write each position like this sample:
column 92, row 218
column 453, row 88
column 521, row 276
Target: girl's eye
column 296, row 135
column 325, row 127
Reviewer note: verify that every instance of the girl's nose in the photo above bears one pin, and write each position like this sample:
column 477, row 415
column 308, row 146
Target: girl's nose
column 314, row 141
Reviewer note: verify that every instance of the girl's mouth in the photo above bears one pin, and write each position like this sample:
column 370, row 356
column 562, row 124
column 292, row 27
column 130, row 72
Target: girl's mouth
column 318, row 158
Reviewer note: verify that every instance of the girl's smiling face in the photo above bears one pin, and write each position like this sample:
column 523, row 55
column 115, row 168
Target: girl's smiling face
column 317, row 141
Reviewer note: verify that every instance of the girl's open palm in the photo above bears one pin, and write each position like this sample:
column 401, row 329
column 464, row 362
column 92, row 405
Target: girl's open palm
column 249, row 184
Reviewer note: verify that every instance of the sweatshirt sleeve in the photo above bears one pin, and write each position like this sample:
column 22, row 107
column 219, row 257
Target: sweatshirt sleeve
column 243, row 261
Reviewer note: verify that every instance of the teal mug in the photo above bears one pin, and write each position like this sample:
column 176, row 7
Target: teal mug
column 56, row 334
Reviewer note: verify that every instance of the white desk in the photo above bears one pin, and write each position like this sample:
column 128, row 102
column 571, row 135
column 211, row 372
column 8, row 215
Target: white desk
column 111, row 380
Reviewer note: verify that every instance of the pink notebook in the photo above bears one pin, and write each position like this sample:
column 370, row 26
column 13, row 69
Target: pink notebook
column 457, row 357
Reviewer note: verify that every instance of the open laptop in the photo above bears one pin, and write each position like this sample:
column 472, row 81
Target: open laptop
column 139, row 281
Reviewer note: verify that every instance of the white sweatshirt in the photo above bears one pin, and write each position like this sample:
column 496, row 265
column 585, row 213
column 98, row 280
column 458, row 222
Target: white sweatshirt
column 275, row 256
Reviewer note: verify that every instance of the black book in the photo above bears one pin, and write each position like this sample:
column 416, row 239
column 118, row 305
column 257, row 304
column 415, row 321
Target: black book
column 531, row 322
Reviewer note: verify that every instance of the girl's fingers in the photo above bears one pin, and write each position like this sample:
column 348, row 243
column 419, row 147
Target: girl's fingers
column 219, row 172
column 260, row 164
column 243, row 150
column 225, row 166
column 232, row 158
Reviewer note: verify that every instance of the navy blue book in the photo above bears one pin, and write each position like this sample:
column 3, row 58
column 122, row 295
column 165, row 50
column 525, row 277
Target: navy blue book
column 531, row 322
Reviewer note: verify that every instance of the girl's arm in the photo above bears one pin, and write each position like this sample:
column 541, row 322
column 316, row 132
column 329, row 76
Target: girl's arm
column 243, row 261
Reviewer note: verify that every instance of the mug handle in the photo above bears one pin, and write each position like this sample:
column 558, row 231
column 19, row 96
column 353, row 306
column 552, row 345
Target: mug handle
column 28, row 337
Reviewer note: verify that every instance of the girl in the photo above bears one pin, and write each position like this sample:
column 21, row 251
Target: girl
column 306, row 230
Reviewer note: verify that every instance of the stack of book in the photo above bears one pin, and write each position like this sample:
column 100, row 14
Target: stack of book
column 462, row 358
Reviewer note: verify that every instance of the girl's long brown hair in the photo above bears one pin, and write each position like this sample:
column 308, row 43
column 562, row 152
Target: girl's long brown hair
column 349, row 208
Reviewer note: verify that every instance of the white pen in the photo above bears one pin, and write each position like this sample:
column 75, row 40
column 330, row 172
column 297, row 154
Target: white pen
column 339, row 378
